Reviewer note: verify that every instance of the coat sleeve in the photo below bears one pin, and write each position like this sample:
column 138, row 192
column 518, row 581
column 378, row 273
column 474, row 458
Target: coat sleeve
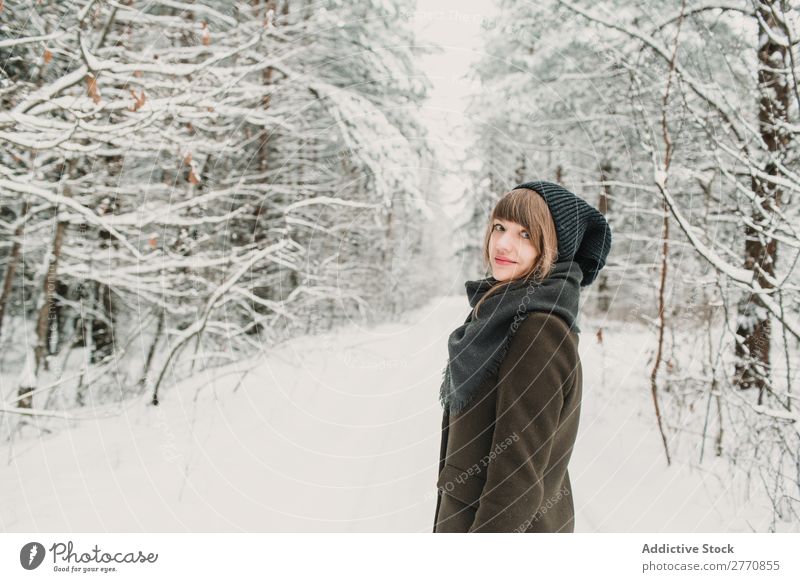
column 539, row 361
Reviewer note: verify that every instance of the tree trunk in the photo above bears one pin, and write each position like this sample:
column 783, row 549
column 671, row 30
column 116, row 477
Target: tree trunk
column 148, row 363
column 46, row 309
column 753, row 329
column 604, row 301
column 28, row 384
column 11, row 265
column 521, row 169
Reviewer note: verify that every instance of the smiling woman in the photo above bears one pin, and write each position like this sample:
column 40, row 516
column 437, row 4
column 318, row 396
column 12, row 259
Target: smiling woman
column 505, row 237
column 520, row 241
column 511, row 390
column 521, row 231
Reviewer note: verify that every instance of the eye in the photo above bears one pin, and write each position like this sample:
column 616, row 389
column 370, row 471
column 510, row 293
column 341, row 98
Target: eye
column 526, row 234
column 496, row 224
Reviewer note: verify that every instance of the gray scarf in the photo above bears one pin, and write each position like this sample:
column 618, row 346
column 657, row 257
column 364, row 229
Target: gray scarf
column 477, row 347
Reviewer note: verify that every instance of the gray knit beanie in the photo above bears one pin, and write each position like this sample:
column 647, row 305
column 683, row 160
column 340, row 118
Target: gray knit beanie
column 583, row 233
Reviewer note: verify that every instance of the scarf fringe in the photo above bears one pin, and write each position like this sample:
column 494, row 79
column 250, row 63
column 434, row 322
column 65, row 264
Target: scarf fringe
column 456, row 400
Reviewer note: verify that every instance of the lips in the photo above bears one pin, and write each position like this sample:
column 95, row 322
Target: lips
column 501, row 261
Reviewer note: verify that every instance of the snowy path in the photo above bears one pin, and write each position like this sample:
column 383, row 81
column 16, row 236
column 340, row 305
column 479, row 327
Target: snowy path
column 341, row 433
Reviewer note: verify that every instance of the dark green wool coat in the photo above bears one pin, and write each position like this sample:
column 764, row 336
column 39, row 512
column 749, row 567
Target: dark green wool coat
column 503, row 459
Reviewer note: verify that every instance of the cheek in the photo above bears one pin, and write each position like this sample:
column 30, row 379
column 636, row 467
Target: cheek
column 530, row 255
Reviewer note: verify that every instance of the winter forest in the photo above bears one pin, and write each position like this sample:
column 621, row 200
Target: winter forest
column 234, row 237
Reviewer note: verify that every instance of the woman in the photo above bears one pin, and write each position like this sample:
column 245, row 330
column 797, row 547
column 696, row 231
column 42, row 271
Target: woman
column 511, row 390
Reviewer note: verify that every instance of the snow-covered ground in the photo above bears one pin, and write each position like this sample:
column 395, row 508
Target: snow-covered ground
column 341, row 433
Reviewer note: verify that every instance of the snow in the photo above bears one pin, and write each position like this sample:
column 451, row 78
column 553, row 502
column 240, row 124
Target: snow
column 43, row 192
column 340, row 432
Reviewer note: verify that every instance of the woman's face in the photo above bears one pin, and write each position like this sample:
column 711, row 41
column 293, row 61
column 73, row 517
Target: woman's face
column 511, row 251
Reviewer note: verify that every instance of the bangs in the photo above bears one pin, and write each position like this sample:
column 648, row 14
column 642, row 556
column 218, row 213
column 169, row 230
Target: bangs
column 515, row 207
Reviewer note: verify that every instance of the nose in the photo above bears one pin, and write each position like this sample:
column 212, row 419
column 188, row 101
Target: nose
column 503, row 244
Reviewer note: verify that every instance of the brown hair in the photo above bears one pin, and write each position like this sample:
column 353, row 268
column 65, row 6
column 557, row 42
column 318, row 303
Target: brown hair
column 528, row 209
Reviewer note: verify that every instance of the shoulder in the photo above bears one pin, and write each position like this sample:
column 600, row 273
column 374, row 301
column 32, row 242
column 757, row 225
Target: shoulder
column 542, row 338
column 541, row 327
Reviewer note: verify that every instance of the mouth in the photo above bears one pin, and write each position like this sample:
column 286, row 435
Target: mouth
column 500, row 261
